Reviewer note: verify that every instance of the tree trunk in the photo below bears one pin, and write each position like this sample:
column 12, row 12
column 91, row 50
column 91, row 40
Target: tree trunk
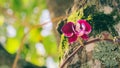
column 83, row 58
column 57, row 9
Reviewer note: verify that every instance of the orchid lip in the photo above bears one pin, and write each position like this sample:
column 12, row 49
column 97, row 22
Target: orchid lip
column 81, row 33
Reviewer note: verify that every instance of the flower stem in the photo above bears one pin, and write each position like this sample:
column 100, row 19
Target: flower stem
column 80, row 41
column 71, row 55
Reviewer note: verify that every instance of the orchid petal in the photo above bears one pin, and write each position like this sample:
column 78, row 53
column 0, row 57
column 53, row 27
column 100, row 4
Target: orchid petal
column 72, row 38
column 86, row 24
column 67, row 29
column 83, row 26
column 68, row 34
column 81, row 33
column 85, row 37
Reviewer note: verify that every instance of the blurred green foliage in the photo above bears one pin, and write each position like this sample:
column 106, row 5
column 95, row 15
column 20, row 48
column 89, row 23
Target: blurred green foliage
column 23, row 15
column 12, row 45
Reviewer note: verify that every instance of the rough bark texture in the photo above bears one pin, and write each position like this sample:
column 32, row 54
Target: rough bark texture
column 83, row 59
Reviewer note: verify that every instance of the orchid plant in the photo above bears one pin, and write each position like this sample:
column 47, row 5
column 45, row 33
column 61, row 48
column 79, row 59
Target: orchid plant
column 83, row 24
column 75, row 30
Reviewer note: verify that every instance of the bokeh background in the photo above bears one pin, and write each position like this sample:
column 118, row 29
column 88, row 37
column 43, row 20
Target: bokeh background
column 26, row 36
column 29, row 38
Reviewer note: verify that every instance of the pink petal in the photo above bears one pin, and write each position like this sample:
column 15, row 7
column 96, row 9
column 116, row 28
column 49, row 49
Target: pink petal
column 86, row 24
column 79, row 29
column 85, row 37
column 67, row 29
column 68, row 34
column 80, row 33
column 72, row 38
column 83, row 26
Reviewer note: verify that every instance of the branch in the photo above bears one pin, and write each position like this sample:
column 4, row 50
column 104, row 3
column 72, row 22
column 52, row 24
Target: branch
column 19, row 50
column 80, row 48
column 22, row 43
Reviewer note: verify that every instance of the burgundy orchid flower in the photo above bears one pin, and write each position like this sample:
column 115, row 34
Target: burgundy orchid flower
column 81, row 29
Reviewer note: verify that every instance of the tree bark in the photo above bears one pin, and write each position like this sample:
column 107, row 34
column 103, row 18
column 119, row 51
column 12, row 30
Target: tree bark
column 83, row 59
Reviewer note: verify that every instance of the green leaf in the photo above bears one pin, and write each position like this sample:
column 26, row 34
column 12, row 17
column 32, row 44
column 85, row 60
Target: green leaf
column 50, row 45
column 17, row 5
column 1, row 20
column 43, row 4
column 35, row 36
column 38, row 60
column 2, row 3
column 20, row 32
column 34, row 57
column 12, row 45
